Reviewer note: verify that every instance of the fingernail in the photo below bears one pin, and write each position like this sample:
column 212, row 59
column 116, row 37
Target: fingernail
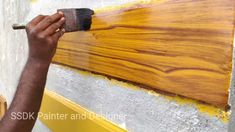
column 62, row 19
column 63, row 30
column 61, row 13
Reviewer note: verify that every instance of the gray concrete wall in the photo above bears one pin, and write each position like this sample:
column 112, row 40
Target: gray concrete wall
column 140, row 111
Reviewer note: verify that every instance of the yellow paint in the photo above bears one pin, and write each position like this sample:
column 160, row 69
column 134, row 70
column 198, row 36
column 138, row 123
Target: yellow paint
column 58, row 113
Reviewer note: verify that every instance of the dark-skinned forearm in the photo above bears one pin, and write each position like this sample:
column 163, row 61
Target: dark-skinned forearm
column 43, row 33
column 27, row 98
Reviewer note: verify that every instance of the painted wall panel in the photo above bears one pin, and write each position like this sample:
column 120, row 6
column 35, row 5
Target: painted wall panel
column 178, row 46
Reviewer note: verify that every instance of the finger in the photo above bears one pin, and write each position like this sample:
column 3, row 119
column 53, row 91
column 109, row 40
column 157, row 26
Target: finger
column 35, row 21
column 58, row 34
column 54, row 27
column 47, row 21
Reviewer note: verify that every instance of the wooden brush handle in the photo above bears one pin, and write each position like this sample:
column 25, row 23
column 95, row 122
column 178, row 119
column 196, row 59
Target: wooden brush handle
column 18, row 26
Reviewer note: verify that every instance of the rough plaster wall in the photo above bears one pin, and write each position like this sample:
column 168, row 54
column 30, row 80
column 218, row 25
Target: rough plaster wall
column 144, row 112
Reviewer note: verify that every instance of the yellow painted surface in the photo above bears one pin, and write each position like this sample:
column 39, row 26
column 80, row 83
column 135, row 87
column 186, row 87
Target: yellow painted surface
column 62, row 115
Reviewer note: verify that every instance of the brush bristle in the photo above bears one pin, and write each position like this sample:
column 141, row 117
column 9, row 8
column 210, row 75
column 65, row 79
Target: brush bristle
column 84, row 16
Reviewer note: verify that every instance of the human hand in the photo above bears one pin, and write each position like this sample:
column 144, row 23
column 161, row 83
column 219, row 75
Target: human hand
column 43, row 34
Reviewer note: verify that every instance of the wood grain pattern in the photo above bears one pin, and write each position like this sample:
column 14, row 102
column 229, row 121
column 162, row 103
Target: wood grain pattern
column 178, row 46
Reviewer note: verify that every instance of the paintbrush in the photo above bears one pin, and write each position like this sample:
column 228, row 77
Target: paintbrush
column 76, row 19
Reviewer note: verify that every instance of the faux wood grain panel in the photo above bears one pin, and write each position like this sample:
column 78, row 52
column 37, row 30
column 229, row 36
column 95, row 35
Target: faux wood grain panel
column 178, row 46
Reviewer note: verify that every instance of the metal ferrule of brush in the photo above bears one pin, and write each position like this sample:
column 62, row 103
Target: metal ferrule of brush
column 77, row 19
